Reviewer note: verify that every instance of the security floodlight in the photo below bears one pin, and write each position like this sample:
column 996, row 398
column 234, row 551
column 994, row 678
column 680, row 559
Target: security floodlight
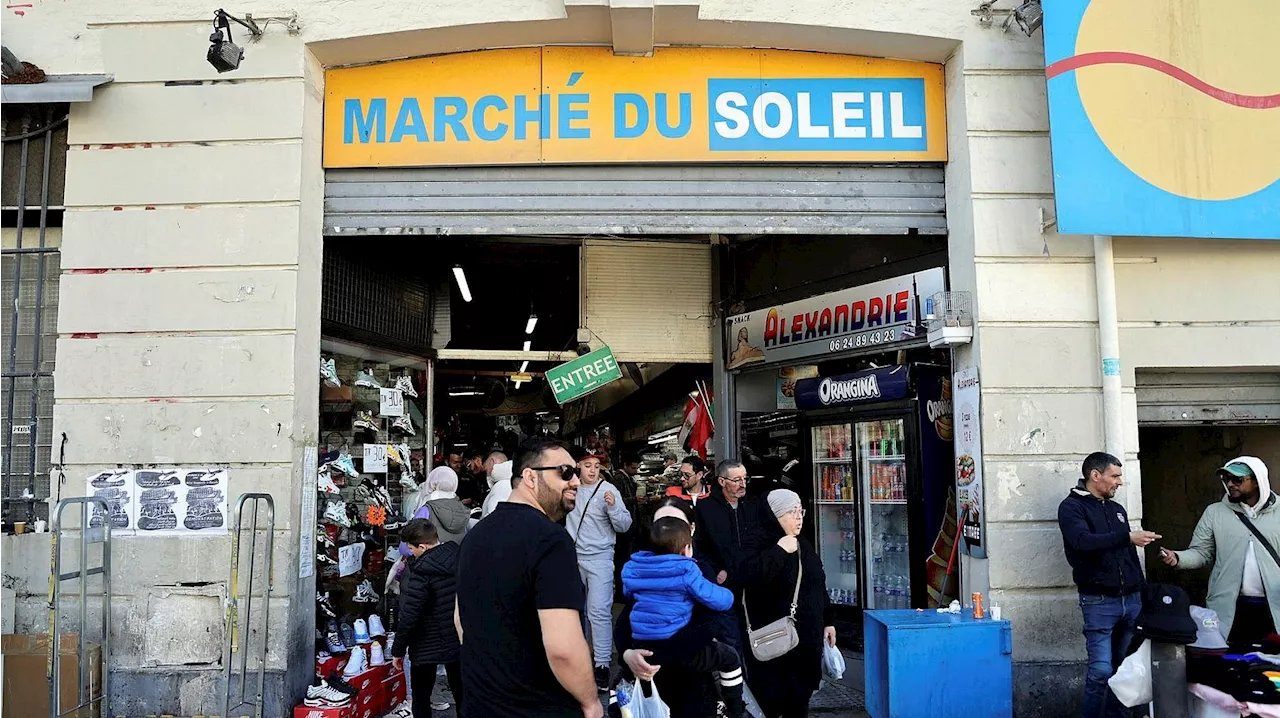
column 224, row 54
column 1029, row 16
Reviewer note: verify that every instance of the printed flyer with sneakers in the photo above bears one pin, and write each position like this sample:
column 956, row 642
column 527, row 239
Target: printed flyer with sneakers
column 161, row 502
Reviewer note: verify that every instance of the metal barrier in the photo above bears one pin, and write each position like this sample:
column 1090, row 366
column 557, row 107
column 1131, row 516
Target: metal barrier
column 88, row 535
column 231, row 642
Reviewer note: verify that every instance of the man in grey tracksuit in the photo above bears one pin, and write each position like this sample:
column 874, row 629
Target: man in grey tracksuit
column 594, row 523
column 1244, row 587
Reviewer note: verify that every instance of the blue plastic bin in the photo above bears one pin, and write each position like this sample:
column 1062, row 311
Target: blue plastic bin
column 925, row 664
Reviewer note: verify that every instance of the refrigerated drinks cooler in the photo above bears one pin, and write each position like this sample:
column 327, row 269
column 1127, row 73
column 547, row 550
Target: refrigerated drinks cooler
column 880, row 444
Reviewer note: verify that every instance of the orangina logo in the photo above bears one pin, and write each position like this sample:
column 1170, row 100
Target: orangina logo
column 1184, row 93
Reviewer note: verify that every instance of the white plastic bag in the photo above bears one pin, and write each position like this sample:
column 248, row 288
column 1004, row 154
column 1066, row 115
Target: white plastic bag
column 650, row 706
column 832, row 662
column 1132, row 683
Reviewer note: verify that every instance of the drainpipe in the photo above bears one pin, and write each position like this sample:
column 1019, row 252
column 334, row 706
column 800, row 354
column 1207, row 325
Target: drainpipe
column 1109, row 345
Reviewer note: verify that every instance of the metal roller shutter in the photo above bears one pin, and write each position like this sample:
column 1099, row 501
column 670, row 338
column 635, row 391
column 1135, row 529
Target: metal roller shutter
column 624, row 199
column 1188, row 398
column 649, row 302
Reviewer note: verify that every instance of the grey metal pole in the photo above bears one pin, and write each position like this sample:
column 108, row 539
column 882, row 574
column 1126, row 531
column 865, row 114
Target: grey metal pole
column 429, row 420
column 1169, row 680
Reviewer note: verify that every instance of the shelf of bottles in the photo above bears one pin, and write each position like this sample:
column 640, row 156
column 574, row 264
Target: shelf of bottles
column 881, row 457
column 837, row 501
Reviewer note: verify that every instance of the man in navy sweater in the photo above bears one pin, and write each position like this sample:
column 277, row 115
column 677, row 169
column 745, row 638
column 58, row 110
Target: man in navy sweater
column 1099, row 546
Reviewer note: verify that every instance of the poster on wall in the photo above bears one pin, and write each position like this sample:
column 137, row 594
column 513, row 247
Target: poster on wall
column 307, row 517
column 787, row 378
column 968, row 438
column 162, row 502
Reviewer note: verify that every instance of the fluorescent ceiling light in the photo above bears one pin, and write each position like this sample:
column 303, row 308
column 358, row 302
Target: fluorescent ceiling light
column 664, row 435
column 527, row 343
column 533, row 322
column 465, row 391
column 462, row 282
column 524, row 366
column 518, row 384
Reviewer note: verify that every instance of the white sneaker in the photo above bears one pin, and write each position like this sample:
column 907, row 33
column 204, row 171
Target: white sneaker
column 361, row 630
column 366, row 378
column 324, row 482
column 325, row 695
column 375, row 626
column 329, row 373
column 365, row 593
column 404, row 424
column 335, row 512
column 357, row 664
column 376, row 658
column 405, row 385
column 408, row 481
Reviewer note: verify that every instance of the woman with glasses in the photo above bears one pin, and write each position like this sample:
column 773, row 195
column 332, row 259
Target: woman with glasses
column 776, row 559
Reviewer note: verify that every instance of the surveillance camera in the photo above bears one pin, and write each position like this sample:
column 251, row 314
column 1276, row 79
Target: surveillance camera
column 584, row 349
column 224, row 54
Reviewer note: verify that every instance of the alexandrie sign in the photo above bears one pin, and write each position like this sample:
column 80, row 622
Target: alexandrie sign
column 875, row 314
column 577, row 378
column 586, row 105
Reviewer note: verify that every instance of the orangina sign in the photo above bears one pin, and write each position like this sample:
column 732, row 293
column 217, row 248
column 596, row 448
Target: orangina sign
column 586, row 105
column 1165, row 117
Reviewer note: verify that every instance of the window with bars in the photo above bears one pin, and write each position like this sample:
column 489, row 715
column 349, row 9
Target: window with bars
column 34, row 168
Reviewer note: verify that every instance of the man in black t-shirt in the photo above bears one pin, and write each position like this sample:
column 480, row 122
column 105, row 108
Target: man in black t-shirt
column 520, row 601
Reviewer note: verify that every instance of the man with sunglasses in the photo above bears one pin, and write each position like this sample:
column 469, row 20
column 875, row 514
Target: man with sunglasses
column 520, row 600
column 691, row 487
column 1239, row 535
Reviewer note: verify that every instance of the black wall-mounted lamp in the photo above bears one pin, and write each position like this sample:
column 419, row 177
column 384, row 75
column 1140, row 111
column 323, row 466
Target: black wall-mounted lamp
column 224, row 54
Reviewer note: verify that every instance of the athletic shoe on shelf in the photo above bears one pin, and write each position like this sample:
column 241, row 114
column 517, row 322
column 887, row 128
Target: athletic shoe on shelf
column 326, row 606
column 336, row 682
column 322, row 557
column 323, row 695
column 322, row 537
column 366, row 379
column 361, row 630
column 335, row 512
column 108, row 479
column 375, row 625
column 408, row 481
column 329, row 373
column 348, row 634
column 393, row 522
column 364, row 420
column 376, row 657
column 359, row 663
column 345, row 465
column 156, row 479
column 404, row 424
column 333, row 642
column 324, row 483
column 405, row 384
column 365, row 593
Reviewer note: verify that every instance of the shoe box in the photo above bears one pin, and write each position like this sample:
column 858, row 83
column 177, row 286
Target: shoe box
column 397, row 689
column 323, row 712
column 331, row 664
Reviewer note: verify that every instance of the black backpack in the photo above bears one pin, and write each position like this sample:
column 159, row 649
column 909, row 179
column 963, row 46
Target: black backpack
column 1166, row 615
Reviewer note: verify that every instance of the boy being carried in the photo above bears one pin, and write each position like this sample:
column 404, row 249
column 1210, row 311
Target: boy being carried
column 665, row 585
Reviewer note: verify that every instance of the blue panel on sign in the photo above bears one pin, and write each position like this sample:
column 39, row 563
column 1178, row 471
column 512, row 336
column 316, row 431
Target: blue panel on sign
column 817, row 115
column 864, row 387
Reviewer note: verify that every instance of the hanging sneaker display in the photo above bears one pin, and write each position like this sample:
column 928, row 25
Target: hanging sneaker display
column 404, row 424
column 326, row 606
column 348, row 634
column 365, row 593
column 322, row 537
column 333, row 642
column 324, row 483
column 408, row 481
column 405, row 384
column 366, row 379
column 335, row 512
column 345, row 465
column 365, row 421
column 329, row 373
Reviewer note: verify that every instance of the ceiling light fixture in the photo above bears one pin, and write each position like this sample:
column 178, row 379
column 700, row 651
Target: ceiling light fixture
column 461, row 276
column 224, row 54
column 533, row 322
column 527, row 343
column 518, row 383
column 465, row 391
column 524, row 366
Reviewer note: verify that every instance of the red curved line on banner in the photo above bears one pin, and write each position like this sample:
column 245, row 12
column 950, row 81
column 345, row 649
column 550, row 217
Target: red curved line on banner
column 1088, row 59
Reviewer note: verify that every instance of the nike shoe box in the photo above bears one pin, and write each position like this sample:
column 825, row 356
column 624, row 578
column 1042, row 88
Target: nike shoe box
column 369, row 681
column 317, row 712
column 331, row 664
column 397, row 689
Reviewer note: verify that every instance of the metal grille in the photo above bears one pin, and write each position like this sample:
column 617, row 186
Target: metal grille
column 34, row 162
column 366, row 298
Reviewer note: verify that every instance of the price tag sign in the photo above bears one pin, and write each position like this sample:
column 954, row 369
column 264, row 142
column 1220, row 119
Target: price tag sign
column 390, row 402
column 350, row 558
column 375, row 459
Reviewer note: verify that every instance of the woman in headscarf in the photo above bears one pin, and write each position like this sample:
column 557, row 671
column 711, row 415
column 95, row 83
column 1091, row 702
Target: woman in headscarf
column 440, row 496
column 784, row 685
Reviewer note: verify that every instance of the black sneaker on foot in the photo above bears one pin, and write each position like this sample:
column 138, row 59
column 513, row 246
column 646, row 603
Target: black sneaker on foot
column 602, row 678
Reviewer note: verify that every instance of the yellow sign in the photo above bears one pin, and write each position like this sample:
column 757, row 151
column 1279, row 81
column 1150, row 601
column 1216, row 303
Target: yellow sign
column 563, row 105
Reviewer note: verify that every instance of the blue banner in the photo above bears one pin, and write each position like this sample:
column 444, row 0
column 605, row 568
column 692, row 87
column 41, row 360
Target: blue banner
column 864, row 387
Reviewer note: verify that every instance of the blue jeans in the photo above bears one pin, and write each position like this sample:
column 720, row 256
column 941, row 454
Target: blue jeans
column 1108, row 630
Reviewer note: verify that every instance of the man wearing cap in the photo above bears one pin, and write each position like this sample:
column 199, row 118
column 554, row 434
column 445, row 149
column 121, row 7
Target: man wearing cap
column 1239, row 535
column 594, row 523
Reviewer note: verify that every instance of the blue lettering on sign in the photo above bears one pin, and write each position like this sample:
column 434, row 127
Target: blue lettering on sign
column 841, row 114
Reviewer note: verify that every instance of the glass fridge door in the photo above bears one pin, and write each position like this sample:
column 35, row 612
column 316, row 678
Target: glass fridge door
column 883, row 467
column 836, row 501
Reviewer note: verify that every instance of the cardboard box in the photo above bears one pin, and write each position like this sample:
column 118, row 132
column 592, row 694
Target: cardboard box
column 25, row 691
column 325, row 666
column 397, row 688
column 316, row 712
column 372, row 677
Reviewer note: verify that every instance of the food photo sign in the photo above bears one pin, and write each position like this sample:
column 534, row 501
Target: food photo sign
column 968, row 444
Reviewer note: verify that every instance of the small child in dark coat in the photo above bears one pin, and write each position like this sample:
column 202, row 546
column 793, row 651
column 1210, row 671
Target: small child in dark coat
column 666, row 584
column 426, row 631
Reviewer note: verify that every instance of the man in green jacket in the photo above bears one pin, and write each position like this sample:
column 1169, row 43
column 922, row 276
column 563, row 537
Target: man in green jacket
column 1244, row 587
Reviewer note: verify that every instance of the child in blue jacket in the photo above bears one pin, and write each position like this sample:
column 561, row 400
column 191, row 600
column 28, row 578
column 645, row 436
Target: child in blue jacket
column 665, row 584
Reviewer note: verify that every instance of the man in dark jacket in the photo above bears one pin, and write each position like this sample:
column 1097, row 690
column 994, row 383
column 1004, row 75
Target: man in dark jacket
column 426, row 631
column 1099, row 546
column 724, row 521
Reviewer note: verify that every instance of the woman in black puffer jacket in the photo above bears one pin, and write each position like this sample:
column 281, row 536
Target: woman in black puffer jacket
column 426, row 631
column 775, row 554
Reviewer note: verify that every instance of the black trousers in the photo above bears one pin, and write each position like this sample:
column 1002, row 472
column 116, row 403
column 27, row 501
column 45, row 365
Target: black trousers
column 423, row 679
column 1252, row 623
